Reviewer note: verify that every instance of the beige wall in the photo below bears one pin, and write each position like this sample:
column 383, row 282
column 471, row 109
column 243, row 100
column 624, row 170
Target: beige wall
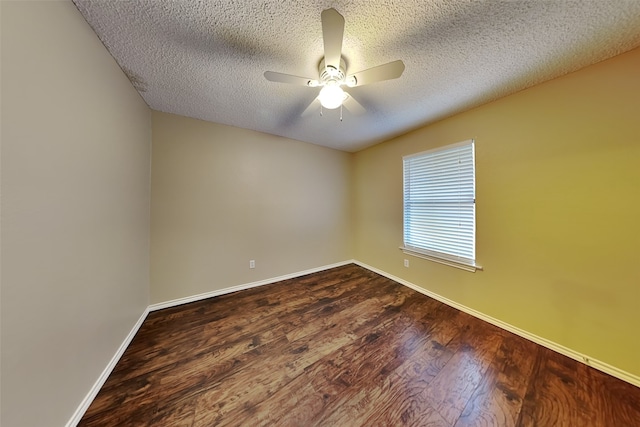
column 558, row 203
column 223, row 195
column 75, row 211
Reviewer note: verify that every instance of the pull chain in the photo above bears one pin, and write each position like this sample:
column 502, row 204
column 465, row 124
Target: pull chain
column 340, row 112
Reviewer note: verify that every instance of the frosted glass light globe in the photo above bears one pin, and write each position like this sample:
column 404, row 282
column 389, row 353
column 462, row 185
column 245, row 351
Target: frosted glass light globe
column 331, row 96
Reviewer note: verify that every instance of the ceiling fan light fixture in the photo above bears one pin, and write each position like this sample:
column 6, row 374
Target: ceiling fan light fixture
column 332, row 70
column 331, row 96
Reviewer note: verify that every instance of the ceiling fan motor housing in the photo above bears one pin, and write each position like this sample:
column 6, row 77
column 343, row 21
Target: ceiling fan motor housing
column 330, row 73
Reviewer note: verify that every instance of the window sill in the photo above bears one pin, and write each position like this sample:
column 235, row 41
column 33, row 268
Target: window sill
column 442, row 259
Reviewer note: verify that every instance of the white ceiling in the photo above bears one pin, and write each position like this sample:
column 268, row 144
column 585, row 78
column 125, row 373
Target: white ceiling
column 205, row 59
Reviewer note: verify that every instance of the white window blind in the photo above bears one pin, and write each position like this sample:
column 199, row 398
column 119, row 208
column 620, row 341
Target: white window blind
column 439, row 203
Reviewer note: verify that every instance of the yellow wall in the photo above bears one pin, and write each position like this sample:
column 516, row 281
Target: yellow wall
column 558, row 205
column 223, row 195
column 76, row 141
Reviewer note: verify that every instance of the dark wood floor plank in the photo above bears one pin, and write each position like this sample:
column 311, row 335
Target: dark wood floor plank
column 346, row 347
column 336, row 312
column 453, row 386
column 498, row 399
column 385, row 326
column 360, row 392
column 229, row 336
column 179, row 413
column 189, row 373
column 313, row 341
column 403, row 403
column 249, row 386
column 613, row 399
column 556, row 393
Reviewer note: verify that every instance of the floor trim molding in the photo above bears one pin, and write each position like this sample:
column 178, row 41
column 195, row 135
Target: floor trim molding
column 587, row 360
column 583, row 358
column 93, row 392
column 242, row 287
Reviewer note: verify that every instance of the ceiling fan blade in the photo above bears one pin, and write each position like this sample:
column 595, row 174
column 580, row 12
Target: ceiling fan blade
column 353, row 106
column 391, row 70
column 332, row 33
column 311, row 108
column 286, row 78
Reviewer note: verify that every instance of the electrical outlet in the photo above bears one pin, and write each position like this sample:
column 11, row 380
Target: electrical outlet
column 406, row 263
column 252, row 263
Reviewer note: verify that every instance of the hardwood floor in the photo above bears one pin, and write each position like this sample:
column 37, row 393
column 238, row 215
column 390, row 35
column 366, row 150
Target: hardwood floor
column 347, row 347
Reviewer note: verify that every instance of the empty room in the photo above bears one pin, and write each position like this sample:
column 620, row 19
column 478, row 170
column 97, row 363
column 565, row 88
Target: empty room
column 319, row 213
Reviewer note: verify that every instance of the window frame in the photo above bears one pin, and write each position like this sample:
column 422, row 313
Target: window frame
column 451, row 259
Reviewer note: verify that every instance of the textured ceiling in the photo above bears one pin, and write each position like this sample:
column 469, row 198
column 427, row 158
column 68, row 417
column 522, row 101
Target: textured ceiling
column 205, row 59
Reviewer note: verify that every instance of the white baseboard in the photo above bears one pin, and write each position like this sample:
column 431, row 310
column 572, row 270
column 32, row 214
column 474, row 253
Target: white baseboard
column 218, row 292
column 77, row 416
column 583, row 358
column 601, row 366
column 86, row 402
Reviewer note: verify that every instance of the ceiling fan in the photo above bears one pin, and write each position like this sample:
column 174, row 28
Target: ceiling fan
column 332, row 70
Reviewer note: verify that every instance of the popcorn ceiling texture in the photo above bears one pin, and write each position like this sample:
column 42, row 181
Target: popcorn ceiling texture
column 206, row 59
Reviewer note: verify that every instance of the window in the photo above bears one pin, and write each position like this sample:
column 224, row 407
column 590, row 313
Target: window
column 440, row 205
